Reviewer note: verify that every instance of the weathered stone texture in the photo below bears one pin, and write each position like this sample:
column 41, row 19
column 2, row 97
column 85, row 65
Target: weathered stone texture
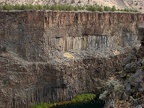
column 50, row 56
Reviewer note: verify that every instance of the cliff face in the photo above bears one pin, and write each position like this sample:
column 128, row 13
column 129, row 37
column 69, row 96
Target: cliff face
column 50, row 56
column 32, row 35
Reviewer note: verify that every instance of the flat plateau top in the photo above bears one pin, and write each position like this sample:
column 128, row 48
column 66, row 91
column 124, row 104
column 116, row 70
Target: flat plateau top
column 121, row 4
column 81, row 11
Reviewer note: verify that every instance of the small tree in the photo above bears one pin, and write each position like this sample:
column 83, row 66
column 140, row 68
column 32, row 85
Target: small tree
column 113, row 8
column 106, row 8
column 100, row 9
column 76, row 8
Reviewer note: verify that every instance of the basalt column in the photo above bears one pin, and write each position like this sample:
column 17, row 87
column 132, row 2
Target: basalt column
column 49, row 56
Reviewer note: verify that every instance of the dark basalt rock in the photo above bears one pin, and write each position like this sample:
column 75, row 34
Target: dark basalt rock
column 47, row 58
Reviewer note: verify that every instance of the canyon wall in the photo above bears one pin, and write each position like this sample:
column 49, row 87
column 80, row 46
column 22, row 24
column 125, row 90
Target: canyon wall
column 49, row 56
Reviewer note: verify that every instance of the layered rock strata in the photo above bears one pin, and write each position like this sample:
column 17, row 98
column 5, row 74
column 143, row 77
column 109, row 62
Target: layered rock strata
column 50, row 56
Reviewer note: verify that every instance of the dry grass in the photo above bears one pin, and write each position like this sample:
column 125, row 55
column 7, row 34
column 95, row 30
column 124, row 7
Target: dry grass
column 68, row 55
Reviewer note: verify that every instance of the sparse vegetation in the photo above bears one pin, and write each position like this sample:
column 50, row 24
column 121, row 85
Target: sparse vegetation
column 78, row 100
column 83, row 98
column 113, row 8
column 42, row 105
column 63, row 7
column 107, row 8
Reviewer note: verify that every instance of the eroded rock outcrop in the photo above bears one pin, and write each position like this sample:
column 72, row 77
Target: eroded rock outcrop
column 50, row 56
column 126, row 88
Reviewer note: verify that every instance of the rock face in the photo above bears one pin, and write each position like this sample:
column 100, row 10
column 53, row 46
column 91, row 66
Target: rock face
column 126, row 88
column 50, row 56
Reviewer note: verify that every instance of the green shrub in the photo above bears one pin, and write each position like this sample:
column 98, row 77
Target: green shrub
column 100, row 9
column 107, row 8
column 46, row 7
column 7, row 7
column 113, row 8
column 80, row 7
column 54, row 7
column 82, row 98
column 42, row 105
column 60, row 7
column 91, row 8
column 75, row 8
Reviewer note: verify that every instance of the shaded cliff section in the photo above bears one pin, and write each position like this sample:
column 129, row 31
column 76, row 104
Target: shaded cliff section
column 50, row 56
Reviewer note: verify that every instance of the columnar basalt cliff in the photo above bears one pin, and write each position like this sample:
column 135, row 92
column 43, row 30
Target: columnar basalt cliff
column 50, row 56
